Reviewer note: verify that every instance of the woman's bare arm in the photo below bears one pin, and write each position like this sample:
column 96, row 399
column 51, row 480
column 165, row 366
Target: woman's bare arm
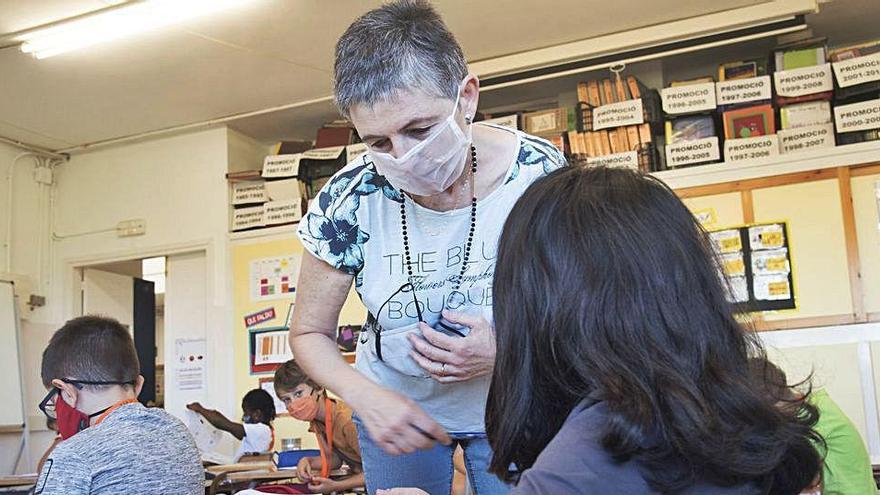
column 395, row 422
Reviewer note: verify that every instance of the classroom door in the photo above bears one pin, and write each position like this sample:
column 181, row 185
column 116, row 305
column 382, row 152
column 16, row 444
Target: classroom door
column 132, row 301
column 186, row 317
column 144, row 312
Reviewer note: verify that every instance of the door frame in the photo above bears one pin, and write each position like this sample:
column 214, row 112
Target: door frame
column 73, row 266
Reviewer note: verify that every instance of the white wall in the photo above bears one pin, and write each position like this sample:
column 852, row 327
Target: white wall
column 177, row 184
column 108, row 294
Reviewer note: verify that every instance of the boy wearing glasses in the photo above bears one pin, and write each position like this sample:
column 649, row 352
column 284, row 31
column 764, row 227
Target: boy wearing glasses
column 111, row 443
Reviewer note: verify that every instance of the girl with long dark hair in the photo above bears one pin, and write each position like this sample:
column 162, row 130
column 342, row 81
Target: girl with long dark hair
column 620, row 365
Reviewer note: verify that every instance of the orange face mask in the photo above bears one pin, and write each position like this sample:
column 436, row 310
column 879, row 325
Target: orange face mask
column 304, row 408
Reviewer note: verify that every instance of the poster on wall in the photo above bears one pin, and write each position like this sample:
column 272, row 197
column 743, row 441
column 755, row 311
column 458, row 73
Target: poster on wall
column 273, row 278
column 347, row 337
column 189, row 364
column 756, row 263
column 272, row 348
column 268, row 384
column 268, row 349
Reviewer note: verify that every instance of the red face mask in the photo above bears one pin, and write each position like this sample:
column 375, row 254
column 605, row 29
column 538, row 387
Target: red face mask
column 71, row 420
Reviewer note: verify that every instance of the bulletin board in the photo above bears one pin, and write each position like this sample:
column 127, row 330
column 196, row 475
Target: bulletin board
column 756, row 261
column 834, row 216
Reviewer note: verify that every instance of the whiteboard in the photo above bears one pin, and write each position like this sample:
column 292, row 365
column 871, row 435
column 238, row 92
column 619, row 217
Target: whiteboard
column 12, row 412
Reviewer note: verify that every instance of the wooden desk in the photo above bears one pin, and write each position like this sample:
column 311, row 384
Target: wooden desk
column 258, row 473
column 17, row 485
column 18, row 480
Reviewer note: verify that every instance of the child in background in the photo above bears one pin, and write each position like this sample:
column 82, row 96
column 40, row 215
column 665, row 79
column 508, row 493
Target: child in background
column 330, row 421
column 255, row 430
column 846, row 466
column 112, row 444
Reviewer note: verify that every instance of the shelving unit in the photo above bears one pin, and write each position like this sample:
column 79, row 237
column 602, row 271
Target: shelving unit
column 718, row 173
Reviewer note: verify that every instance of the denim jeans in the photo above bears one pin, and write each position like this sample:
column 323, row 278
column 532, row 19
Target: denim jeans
column 430, row 470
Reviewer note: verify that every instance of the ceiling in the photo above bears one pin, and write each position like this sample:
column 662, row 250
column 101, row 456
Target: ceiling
column 264, row 54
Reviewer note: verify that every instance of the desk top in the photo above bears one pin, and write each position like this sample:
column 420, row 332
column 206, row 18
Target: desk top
column 18, row 480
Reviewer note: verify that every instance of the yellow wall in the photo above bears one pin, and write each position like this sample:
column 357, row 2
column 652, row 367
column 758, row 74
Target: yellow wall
column 727, row 208
column 868, row 231
column 818, row 248
column 243, row 252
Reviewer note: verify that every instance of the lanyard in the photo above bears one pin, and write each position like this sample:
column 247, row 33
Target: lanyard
column 327, row 450
column 112, row 408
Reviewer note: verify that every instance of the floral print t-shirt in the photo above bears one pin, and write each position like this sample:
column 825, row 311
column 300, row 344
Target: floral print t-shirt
column 355, row 226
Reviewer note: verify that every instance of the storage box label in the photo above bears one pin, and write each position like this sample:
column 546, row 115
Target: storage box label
column 630, row 112
column 688, row 152
column 279, row 212
column 506, row 121
column 248, row 218
column 806, row 138
column 324, row 153
column 281, row 165
column 629, row 159
column 689, row 98
column 743, row 90
column 353, row 151
column 754, row 148
column 248, row 192
column 805, row 81
column 861, row 116
column 858, row 70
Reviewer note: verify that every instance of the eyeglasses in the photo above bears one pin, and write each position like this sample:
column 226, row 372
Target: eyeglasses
column 373, row 321
column 47, row 405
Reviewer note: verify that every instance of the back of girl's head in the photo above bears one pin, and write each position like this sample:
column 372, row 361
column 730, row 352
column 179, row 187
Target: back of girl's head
column 259, row 400
column 606, row 286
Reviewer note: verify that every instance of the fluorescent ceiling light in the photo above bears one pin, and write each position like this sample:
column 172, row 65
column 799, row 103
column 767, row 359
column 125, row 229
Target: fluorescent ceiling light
column 115, row 23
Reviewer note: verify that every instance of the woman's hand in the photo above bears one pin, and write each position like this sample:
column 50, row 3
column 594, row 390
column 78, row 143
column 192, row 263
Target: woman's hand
column 195, row 406
column 396, row 423
column 455, row 359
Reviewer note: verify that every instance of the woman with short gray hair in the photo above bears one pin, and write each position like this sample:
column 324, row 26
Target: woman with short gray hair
column 414, row 223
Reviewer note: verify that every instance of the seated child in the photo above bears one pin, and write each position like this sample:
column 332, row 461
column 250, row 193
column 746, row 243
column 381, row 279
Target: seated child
column 846, row 466
column 330, row 420
column 621, row 367
column 112, row 444
column 255, row 430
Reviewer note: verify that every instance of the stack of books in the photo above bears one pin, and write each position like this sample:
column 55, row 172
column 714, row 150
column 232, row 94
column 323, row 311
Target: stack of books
column 591, row 140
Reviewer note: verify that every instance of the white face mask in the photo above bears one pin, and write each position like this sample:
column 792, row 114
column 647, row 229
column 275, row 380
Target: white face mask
column 432, row 165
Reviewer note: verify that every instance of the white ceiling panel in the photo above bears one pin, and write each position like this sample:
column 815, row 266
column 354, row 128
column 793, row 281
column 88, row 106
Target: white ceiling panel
column 264, row 54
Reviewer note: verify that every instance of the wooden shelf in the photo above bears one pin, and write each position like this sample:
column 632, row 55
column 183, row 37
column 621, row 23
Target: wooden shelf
column 718, row 173
column 279, row 230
